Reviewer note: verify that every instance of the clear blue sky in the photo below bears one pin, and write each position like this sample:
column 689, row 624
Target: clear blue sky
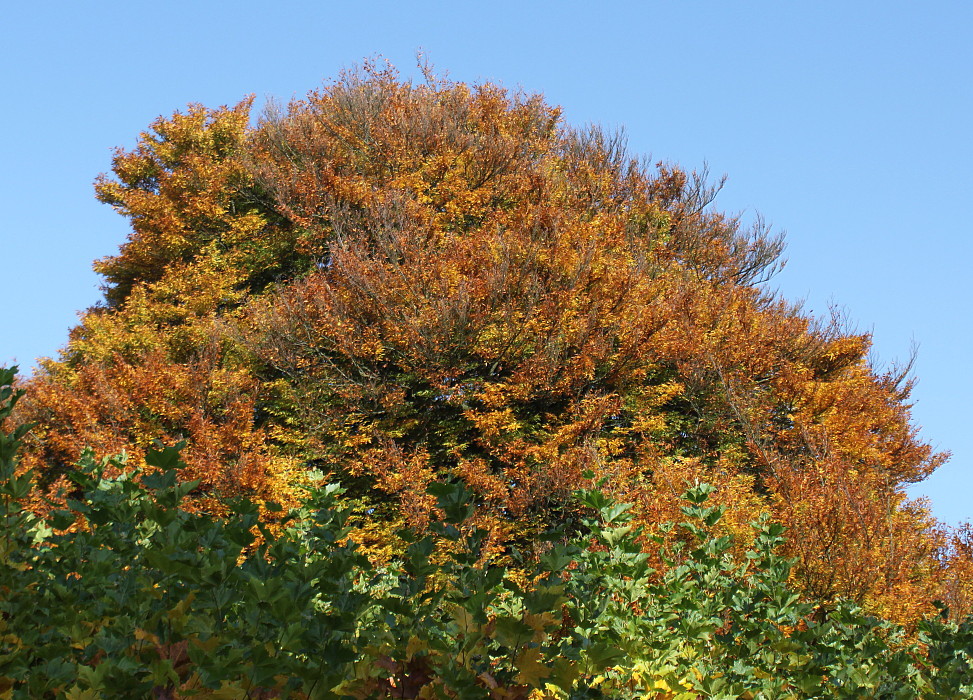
column 847, row 124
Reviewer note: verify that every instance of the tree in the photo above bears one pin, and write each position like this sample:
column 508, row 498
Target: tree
column 400, row 283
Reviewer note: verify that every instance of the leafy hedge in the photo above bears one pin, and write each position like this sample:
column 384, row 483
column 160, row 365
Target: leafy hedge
column 124, row 594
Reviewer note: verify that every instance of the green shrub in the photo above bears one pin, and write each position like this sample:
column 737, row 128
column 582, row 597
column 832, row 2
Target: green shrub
column 124, row 594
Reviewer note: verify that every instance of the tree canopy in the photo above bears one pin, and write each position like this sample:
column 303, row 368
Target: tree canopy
column 398, row 283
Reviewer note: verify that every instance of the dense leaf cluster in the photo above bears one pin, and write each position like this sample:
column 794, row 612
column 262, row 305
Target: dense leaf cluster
column 400, row 283
column 122, row 593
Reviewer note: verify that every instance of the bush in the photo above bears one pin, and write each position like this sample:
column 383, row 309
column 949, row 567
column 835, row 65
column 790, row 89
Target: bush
column 124, row 594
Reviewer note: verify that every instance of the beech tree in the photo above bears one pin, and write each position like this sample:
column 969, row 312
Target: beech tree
column 399, row 283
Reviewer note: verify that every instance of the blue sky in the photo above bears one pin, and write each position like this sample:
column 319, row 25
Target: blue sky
column 845, row 124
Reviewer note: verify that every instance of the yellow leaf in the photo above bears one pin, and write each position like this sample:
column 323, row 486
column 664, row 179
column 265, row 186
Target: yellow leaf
column 540, row 624
column 531, row 670
column 415, row 644
column 229, row 691
column 141, row 635
column 179, row 611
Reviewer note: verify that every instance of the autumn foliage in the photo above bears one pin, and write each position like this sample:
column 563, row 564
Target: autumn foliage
column 399, row 283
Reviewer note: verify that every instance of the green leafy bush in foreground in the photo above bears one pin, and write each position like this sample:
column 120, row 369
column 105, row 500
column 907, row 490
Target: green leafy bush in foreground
column 123, row 594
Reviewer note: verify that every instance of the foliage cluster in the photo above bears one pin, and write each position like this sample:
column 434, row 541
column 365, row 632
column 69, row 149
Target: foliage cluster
column 123, row 593
column 401, row 283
